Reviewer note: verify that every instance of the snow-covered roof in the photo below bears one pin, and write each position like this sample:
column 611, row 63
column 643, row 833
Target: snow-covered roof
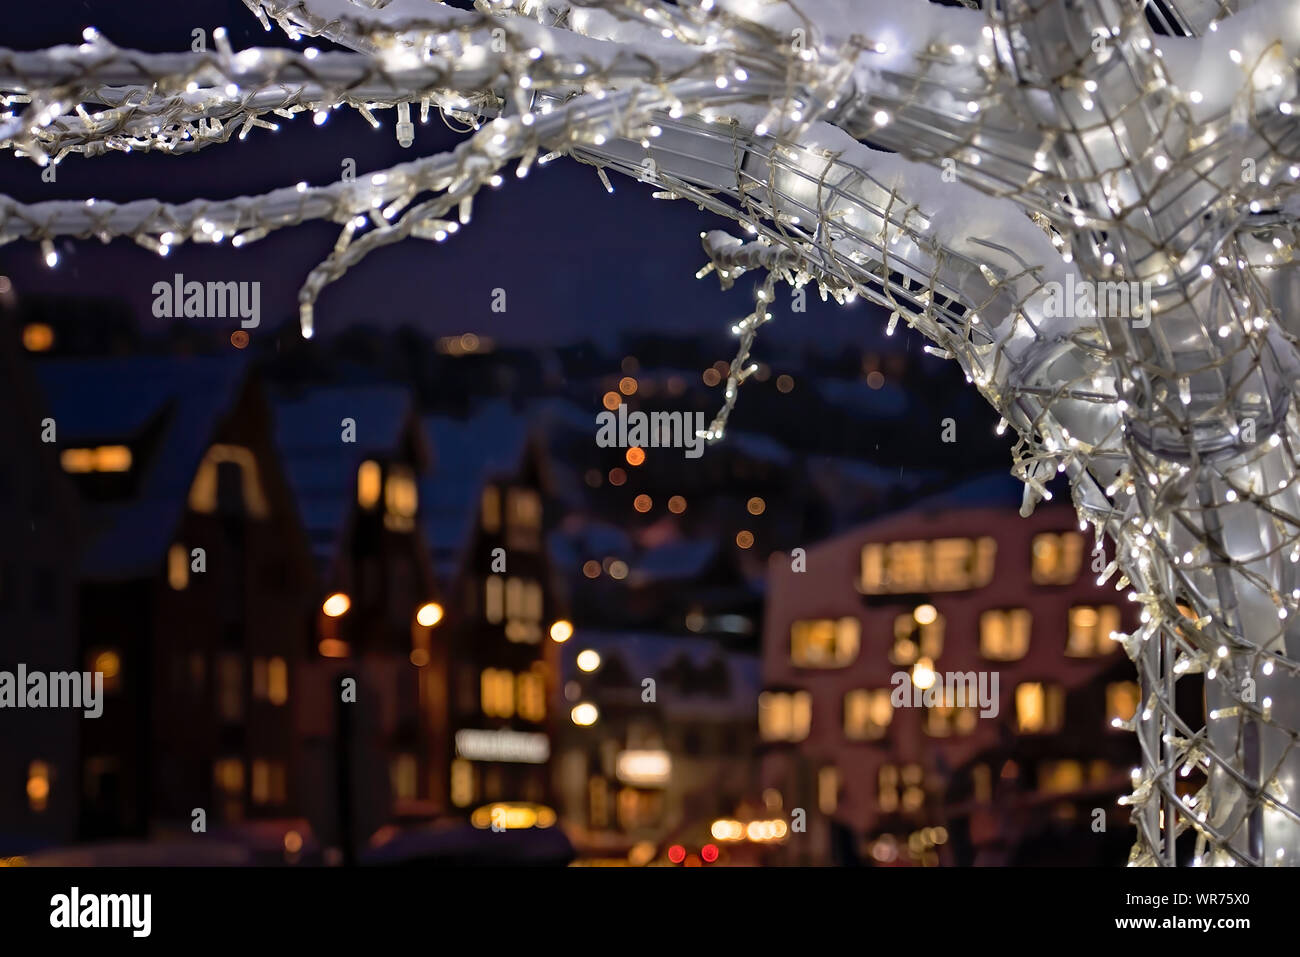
column 467, row 454
column 116, row 400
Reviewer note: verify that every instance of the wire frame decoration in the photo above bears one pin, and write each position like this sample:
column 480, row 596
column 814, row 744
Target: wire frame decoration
column 1089, row 205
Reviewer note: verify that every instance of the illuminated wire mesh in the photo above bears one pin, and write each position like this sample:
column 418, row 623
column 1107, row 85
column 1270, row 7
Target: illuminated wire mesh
column 1090, row 206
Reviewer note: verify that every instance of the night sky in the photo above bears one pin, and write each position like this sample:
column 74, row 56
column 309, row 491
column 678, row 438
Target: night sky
column 576, row 262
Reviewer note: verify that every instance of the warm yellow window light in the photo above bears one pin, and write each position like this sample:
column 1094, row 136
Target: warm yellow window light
column 497, row 693
column 105, row 458
column 178, row 567
column 203, row 493
column 401, row 499
column 369, row 480
column 1004, row 634
column 277, row 681
column 38, row 785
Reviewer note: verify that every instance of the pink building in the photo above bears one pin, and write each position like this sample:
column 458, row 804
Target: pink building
column 960, row 600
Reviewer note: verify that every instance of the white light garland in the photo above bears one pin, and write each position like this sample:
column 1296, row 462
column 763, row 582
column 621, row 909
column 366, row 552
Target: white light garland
column 958, row 169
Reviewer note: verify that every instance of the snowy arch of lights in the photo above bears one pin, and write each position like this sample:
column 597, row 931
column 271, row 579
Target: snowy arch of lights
column 951, row 164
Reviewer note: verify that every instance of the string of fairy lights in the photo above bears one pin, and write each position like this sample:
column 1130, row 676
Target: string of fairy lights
column 958, row 168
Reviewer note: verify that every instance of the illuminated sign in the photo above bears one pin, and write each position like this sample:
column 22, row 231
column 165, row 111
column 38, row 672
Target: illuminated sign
column 516, row 746
column 507, row 816
column 644, row 768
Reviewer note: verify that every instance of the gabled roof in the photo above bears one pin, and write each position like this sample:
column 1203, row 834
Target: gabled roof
column 467, row 454
column 687, row 559
column 758, row 447
column 856, row 396
column 581, row 538
column 321, row 468
column 996, row 489
column 114, row 400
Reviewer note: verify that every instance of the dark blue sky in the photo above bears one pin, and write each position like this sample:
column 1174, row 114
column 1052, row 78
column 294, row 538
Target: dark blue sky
column 573, row 259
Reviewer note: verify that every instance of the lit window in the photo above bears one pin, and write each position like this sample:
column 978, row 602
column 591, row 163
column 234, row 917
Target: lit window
column 900, row 787
column 1055, row 559
column 959, row 563
column 524, row 508
column 918, row 635
column 523, row 610
column 1090, row 631
column 369, row 481
column 112, row 458
column 491, row 509
column 178, row 567
column 867, row 713
column 269, row 782
column 828, row 789
column 271, row 680
column 824, row 643
column 462, row 782
column 77, row 460
column 532, row 601
column 404, row 773
column 523, row 518
column 1060, row 777
column 530, row 689
column 401, row 499
column 203, row 493
column 905, row 564
column 887, row 788
column 277, row 681
column 228, row 774
column 1040, row 708
column 230, row 688
column 105, row 458
column 784, row 716
column 1122, row 698
column 1004, row 634
column 946, row 564
column 38, row 786
column 497, row 693
column 494, row 599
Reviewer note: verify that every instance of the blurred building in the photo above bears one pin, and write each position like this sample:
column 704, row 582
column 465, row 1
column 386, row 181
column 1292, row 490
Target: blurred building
column 485, row 517
column 948, row 588
column 40, row 750
column 659, row 741
column 374, row 677
column 189, row 589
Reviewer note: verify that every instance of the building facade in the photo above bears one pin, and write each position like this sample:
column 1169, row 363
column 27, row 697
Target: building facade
column 190, row 572
column 374, row 686
column 659, row 742
column 941, row 687
column 487, row 526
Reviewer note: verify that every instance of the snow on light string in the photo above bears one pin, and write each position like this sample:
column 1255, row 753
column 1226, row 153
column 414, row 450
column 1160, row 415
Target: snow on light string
column 1073, row 140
